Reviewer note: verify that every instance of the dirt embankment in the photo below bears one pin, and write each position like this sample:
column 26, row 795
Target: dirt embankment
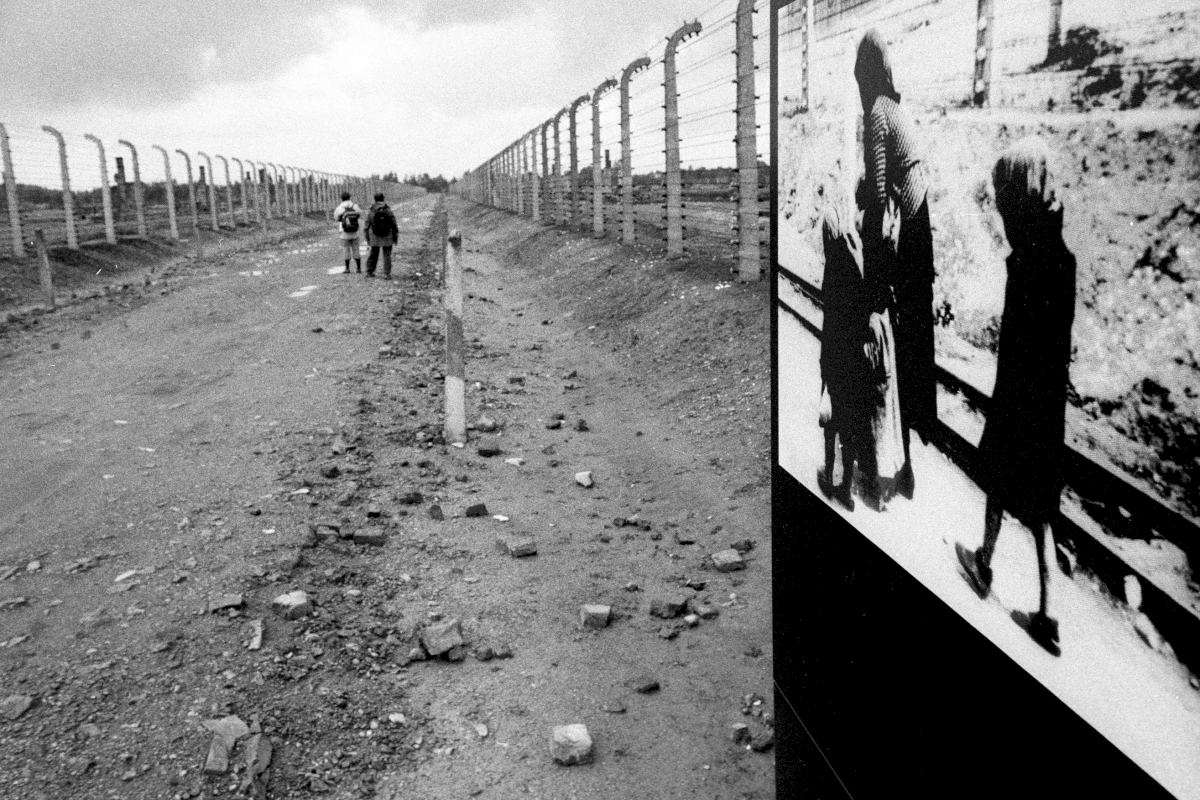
column 261, row 427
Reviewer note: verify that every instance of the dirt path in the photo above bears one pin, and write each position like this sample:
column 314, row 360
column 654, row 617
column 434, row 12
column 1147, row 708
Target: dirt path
column 214, row 440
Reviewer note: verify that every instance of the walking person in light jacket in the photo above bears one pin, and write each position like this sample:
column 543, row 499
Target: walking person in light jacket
column 350, row 224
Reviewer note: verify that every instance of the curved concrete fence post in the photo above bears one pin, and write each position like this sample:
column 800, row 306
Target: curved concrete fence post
column 547, row 180
column 574, row 156
column 558, row 187
column 110, row 229
column 187, row 161
column 139, row 191
column 627, row 220
column 674, row 209
column 535, row 177
column 258, row 175
column 212, row 192
column 228, row 191
column 68, row 198
column 11, row 196
column 241, row 168
column 597, row 167
column 170, row 186
column 268, row 168
column 747, row 145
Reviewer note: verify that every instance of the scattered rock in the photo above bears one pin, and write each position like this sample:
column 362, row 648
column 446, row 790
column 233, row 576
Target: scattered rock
column 411, row 499
column 293, row 605
column 485, row 424
column 571, row 744
column 554, row 424
column 330, row 471
column 504, row 651
column 594, row 616
column 668, row 607
column 644, row 684
column 258, row 752
column 12, row 602
column 436, row 513
column 584, row 479
column 516, row 461
column 256, row 635
column 692, row 620
column 668, row 632
column 753, row 651
column 743, row 545
column 727, row 561
column 517, row 546
column 707, row 612
column 442, row 638
column 1133, row 592
column 488, row 450
column 484, row 653
column 223, row 601
column 226, row 733
column 481, row 730
column 375, row 537
column 682, row 537
column 613, row 705
column 374, row 511
column 740, row 733
column 15, row 705
column 763, row 742
column 581, row 425
column 477, row 510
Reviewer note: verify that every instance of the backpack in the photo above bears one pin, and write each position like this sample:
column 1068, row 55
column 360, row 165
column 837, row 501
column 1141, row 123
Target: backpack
column 382, row 222
column 350, row 221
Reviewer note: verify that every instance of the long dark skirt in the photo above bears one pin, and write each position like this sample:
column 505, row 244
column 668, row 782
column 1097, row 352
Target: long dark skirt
column 913, row 323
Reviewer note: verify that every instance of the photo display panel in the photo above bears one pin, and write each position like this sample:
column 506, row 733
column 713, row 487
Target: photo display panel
column 986, row 264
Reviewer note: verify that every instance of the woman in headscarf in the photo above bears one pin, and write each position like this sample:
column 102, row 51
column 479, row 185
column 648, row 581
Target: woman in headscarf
column 1022, row 443
column 896, row 196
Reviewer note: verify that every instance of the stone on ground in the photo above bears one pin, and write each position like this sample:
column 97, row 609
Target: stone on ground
column 441, row 638
column 594, row 616
column 477, row 510
column 517, row 546
column 584, row 479
column 15, row 705
column 727, row 561
column 571, row 744
column 668, row 607
column 372, row 536
column 293, row 605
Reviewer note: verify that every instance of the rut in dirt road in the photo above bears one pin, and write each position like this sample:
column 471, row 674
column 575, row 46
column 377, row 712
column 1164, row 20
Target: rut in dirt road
column 262, row 429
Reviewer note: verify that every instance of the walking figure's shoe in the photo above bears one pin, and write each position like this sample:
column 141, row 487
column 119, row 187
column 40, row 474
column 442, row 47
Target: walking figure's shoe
column 387, row 276
column 346, row 271
column 357, row 270
column 977, row 575
column 1042, row 628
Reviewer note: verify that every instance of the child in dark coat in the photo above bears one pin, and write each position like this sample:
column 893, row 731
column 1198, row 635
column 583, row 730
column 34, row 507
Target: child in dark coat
column 1022, row 442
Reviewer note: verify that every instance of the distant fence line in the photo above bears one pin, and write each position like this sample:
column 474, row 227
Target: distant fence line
column 527, row 177
column 128, row 205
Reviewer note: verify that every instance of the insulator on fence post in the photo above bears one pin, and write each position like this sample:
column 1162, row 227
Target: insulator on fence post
column 212, row 192
column 597, row 169
column 110, row 229
column 139, row 191
column 674, row 180
column 191, row 194
column 627, row 228
column 747, row 146
column 574, row 156
column 983, row 54
column 11, row 196
column 170, row 187
column 68, row 198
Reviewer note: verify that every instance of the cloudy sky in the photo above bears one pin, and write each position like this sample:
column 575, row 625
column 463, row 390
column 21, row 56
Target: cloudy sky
column 358, row 86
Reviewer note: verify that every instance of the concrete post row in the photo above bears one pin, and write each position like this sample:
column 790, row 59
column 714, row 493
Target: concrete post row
column 597, row 165
column 674, row 209
column 547, row 210
column 557, row 168
column 574, row 156
column 10, row 193
column 535, row 186
column 627, row 220
column 212, row 193
column 139, row 192
column 747, row 145
column 241, row 168
column 228, row 192
column 170, row 186
column 110, row 230
column 68, row 198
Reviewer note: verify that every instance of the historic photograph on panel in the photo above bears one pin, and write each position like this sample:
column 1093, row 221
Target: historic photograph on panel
column 988, row 339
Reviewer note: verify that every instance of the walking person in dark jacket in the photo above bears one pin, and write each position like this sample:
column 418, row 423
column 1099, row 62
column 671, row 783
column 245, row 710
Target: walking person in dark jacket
column 382, row 233
column 896, row 196
column 1022, row 444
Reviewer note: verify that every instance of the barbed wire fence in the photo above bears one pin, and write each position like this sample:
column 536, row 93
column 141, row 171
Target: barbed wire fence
column 79, row 189
column 669, row 149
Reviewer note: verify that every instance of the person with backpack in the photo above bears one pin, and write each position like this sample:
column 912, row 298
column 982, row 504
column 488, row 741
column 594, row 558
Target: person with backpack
column 349, row 219
column 382, row 233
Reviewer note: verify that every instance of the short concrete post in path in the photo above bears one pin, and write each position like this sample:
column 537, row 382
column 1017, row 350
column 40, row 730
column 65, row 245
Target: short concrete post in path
column 68, row 198
column 747, row 145
column 627, row 220
column 170, row 187
column 139, row 191
column 10, row 194
column 597, row 166
column 191, row 195
column 110, row 229
column 456, row 414
column 212, row 193
column 44, row 274
column 574, row 156
column 228, row 191
column 674, row 210
column 983, row 52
